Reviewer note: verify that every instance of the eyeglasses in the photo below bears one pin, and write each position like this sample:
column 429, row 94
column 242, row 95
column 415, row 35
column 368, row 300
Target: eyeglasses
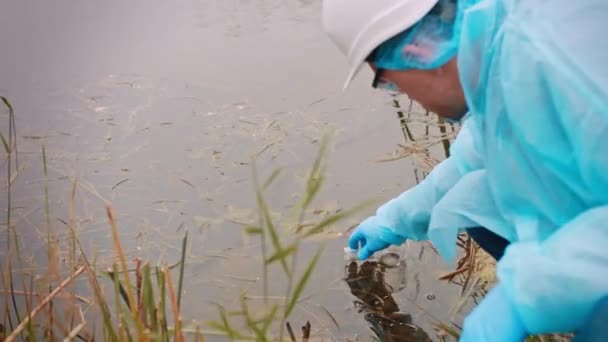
column 379, row 82
column 377, row 78
column 382, row 83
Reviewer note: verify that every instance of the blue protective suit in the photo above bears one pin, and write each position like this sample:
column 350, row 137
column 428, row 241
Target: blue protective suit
column 530, row 162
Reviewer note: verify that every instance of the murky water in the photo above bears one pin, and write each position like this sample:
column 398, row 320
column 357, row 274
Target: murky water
column 157, row 107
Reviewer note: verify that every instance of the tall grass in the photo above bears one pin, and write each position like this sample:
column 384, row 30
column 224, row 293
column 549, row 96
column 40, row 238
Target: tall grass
column 10, row 147
column 284, row 252
column 139, row 314
column 144, row 303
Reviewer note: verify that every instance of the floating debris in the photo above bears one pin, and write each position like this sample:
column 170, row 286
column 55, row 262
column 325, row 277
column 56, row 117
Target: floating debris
column 119, row 183
column 187, row 183
column 35, row 137
column 318, row 101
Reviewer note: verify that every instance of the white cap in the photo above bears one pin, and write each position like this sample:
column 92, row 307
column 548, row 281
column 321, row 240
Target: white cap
column 357, row 27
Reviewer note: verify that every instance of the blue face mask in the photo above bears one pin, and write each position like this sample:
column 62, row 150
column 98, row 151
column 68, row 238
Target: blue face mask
column 429, row 44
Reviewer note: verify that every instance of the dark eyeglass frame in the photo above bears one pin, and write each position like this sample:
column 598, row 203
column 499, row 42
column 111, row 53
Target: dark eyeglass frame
column 377, row 77
column 379, row 71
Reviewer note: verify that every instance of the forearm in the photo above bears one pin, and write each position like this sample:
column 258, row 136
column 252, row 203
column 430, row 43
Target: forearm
column 408, row 215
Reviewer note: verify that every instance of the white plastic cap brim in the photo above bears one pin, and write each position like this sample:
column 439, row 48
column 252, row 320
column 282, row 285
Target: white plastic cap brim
column 352, row 74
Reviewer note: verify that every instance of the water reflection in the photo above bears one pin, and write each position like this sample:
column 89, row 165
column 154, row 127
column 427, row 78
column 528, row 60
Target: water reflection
column 373, row 284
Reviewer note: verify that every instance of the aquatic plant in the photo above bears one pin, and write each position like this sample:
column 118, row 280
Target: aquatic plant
column 143, row 302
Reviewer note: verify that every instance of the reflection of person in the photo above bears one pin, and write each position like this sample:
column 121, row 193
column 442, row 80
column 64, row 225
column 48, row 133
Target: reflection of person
column 529, row 164
column 367, row 283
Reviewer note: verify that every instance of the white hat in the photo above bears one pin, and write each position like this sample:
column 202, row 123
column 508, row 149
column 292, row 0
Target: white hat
column 357, row 27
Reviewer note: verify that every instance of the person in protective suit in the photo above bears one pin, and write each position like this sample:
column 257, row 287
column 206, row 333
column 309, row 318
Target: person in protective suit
column 528, row 81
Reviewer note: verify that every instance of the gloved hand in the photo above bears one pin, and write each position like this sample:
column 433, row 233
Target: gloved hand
column 373, row 238
column 494, row 319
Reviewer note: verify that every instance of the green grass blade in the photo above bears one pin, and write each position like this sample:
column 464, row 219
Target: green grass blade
column 225, row 325
column 162, row 314
column 251, row 230
column 299, row 288
column 30, row 326
column 315, row 179
column 271, row 179
column 178, row 335
column 99, row 295
column 100, row 298
column 12, row 289
column 282, row 254
column 7, row 104
column 222, row 329
column 181, row 272
column 117, row 293
column 12, row 130
column 5, row 143
column 123, row 265
column 122, row 293
column 31, row 334
column 9, row 228
column 274, row 236
column 270, row 318
column 250, row 321
column 148, row 299
column 128, row 321
column 127, row 330
column 313, row 183
column 123, row 318
column 6, row 317
column 264, row 212
column 22, row 275
column 121, row 257
column 318, row 228
column 51, row 252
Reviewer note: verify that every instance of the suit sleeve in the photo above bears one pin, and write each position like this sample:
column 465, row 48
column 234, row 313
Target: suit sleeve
column 408, row 215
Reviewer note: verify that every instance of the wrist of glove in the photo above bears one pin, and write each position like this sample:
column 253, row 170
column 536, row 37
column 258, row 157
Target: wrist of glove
column 369, row 237
column 494, row 319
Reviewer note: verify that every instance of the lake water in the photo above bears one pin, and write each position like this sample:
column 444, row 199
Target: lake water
column 157, row 107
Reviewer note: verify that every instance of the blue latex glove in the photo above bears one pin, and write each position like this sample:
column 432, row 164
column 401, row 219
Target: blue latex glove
column 494, row 319
column 372, row 238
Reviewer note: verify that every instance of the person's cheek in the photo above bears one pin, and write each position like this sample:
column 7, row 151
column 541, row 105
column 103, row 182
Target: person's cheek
column 417, row 91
